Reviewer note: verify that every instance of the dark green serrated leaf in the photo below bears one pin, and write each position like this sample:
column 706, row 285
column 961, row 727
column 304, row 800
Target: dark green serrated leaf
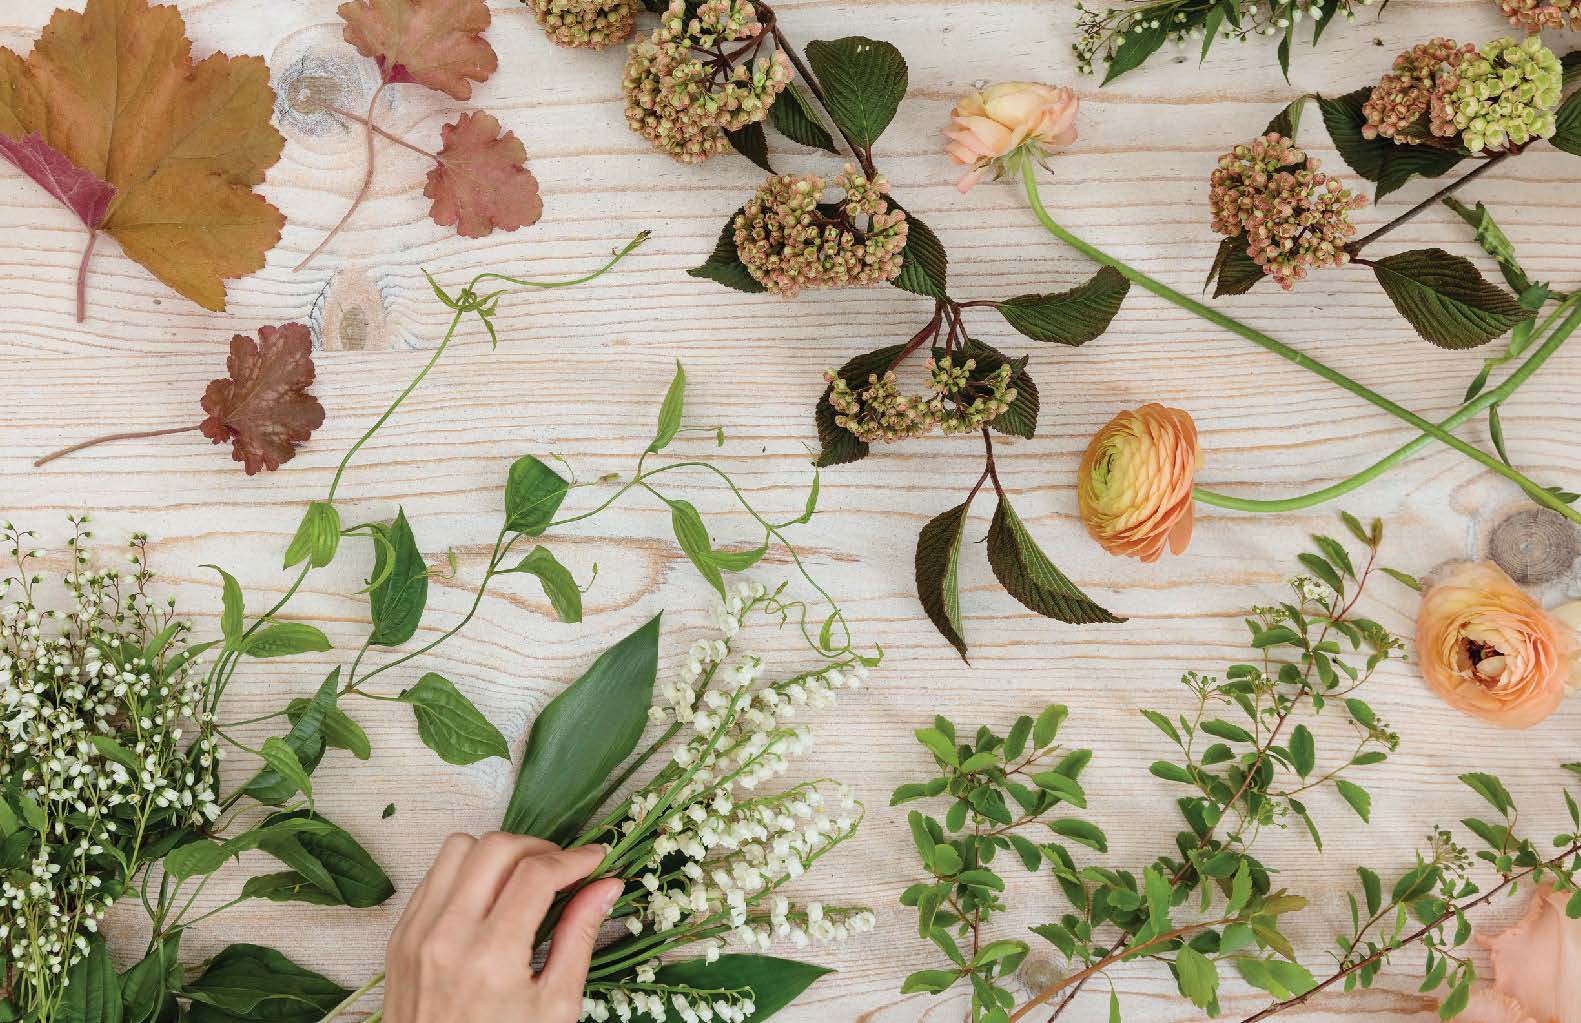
column 751, row 143
column 839, row 445
column 1234, row 272
column 724, row 265
column 1071, row 317
column 1568, row 135
column 863, row 82
column 1380, row 160
column 1029, row 576
column 793, row 115
column 925, row 266
column 937, row 569
column 1446, row 299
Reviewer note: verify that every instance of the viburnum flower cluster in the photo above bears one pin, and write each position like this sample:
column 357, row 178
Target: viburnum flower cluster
column 107, row 745
column 789, row 239
column 1294, row 217
column 588, row 24
column 709, row 850
column 955, row 402
column 700, row 75
column 1537, row 15
column 1500, row 96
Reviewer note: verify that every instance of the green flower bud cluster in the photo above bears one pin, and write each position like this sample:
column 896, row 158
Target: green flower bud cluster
column 1503, row 98
column 700, row 76
column 589, row 24
column 789, row 239
column 955, row 403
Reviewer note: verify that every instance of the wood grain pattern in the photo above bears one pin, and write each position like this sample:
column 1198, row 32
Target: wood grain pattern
column 581, row 372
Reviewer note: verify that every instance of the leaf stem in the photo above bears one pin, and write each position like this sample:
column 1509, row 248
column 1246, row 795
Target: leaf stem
column 107, row 438
column 82, row 275
column 1383, row 465
column 382, row 133
column 362, row 193
column 1333, row 376
column 355, row 997
column 1354, row 248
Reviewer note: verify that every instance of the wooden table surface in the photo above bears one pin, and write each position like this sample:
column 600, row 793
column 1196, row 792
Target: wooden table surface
column 581, row 372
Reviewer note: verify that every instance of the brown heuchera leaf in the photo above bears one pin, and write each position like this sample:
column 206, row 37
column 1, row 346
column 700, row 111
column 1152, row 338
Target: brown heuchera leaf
column 437, row 43
column 263, row 409
column 112, row 115
column 482, row 184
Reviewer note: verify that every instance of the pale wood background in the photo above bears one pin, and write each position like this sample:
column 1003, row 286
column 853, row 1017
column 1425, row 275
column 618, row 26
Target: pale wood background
column 581, row 373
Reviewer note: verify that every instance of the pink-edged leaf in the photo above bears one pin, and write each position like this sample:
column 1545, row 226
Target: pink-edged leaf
column 79, row 191
column 482, row 183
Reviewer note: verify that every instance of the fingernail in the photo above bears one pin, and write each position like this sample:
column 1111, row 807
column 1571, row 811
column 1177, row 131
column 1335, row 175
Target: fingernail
column 611, row 896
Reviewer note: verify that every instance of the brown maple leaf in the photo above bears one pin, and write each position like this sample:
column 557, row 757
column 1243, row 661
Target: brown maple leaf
column 113, row 117
column 262, row 409
column 437, row 43
column 482, row 183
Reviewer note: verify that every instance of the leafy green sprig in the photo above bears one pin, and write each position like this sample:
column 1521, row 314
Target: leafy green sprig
column 1250, row 761
column 1429, row 903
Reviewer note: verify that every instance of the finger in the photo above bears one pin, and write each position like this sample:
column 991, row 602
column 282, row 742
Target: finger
column 575, row 938
column 487, row 868
column 432, row 892
column 520, row 908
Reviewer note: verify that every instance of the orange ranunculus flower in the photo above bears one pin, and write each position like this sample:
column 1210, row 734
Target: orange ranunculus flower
column 1134, row 487
column 1490, row 650
column 988, row 126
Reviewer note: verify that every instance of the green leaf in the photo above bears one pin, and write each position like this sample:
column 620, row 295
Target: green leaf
column 1133, row 52
column 305, row 742
column 863, row 82
column 286, row 886
column 558, row 583
column 1234, row 271
column 693, row 538
column 317, row 537
column 1071, row 317
column 1199, row 978
column 924, row 264
column 146, row 986
column 329, row 859
column 231, row 614
column 839, row 445
column 1494, row 242
column 938, row 576
column 451, row 725
column 1227, row 731
column 1379, row 159
column 581, row 737
column 751, row 143
column 670, row 412
column 1491, row 789
column 773, row 983
column 400, row 592
column 1046, row 727
column 114, row 751
column 794, row 116
column 1288, row 121
column 1458, row 998
column 533, row 493
column 1320, row 567
column 1303, row 750
column 195, row 859
column 724, row 264
column 1568, row 135
column 93, row 994
column 1372, row 889
column 1446, row 299
column 1027, row 574
column 1356, row 796
column 939, row 744
column 930, row 982
column 250, row 983
column 282, row 639
column 1160, row 895
column 282, row 759
column 1076, row 830
column 338, row 729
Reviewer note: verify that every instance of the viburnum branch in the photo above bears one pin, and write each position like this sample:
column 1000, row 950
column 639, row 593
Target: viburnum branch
column 1450, row 913
column 362, row 193
column 1355, row 247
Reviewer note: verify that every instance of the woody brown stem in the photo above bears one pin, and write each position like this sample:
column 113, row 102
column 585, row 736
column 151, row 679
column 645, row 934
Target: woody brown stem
column 82, row 276
column 107, row 438
column 1354, row 248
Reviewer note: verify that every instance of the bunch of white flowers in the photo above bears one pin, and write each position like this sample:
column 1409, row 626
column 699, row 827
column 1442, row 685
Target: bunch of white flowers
column 106, row 748
column 709, row 850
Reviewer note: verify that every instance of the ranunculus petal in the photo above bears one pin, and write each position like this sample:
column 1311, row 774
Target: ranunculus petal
column 1537, row 963
column 1005, row 119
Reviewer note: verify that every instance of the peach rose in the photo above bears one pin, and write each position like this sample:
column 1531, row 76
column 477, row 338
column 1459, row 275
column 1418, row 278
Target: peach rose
column 1536, row 968
column 987, row 127
column 1487, row 648
column 1134, row 486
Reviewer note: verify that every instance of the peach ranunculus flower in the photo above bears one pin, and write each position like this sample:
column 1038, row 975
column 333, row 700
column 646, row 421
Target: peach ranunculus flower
column 1487, row 648
column 1134, row 486
column 988, row 127
column 1536, row 968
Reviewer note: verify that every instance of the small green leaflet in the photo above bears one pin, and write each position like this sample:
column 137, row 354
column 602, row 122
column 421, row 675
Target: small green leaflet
column 533, row 493
column 692, row 535
column 282, row 639
column 670, row 412
column 558, row 583
column 451, row 725
column 231, row 613
column 317, row 537
column 399, row 592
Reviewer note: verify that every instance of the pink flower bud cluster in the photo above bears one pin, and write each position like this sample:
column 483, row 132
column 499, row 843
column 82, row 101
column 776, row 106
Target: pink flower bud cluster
column 1406, row 95
column 789, row 239
column 697, row 77
column 1293, row 217
column 589, row 24
column 1537, row 15
column 955, row 403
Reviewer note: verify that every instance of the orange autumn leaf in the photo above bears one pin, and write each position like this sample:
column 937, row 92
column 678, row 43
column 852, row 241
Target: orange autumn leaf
column 482, row 184
column 436, row 43
column 262, row 409
column 113, row 117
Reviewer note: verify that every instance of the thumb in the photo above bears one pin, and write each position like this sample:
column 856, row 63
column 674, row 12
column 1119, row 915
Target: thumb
column 575, row 937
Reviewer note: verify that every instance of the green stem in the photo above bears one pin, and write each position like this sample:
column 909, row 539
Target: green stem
column 1333, row 376
column 353, row 998
column 1383, row 465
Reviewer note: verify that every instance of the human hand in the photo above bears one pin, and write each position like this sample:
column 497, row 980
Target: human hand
column 462, row 952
